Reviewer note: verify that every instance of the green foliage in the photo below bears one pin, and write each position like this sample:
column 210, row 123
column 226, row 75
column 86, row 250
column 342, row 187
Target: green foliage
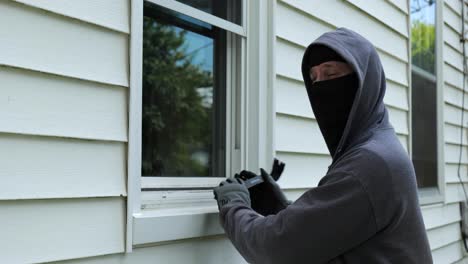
column 423, row 45
column 175, row 123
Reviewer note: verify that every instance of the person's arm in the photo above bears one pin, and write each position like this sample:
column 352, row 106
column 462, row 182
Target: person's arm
column 323, row 223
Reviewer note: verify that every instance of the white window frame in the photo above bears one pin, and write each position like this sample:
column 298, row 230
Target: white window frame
column 256, row 113
column 431, row 195
column 233, row 75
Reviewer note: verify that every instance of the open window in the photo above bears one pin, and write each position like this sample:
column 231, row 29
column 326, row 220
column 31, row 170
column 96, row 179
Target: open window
column 192, row 119
column 190, row 97
column 201, row 108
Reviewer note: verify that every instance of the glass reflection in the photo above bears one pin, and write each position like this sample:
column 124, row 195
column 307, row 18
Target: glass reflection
column 423, row 34
column 226, row 9
column 179, row 110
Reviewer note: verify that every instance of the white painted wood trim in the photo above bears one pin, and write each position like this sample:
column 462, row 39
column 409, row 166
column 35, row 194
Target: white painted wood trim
column 135, row 130
column 234, row 82
column 260, row 71
column 135, row 181
column 440, row 103
column 200, row 15
column 151, row 226
column 162, row 226
column 271, row 82
column 432, row 195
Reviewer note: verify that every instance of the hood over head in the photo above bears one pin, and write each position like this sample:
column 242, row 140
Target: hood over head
column 367, row 111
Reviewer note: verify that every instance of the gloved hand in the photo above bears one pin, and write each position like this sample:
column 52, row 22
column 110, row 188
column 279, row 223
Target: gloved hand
column 231, row 191
column 267, row 197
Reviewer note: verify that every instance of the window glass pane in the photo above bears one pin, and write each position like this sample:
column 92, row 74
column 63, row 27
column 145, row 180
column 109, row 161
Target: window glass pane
column 183, row 96
column 230, row 10
column 423, row 17
column 424, row 91
column 424, row 129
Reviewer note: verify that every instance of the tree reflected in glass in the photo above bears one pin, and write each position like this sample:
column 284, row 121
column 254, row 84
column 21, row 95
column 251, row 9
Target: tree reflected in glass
column 177, row 101
column 423, row 34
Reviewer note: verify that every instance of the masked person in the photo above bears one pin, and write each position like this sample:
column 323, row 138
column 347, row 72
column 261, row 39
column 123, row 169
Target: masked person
column 365, row 209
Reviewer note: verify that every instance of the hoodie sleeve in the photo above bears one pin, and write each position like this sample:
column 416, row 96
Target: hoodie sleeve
column 323, row 223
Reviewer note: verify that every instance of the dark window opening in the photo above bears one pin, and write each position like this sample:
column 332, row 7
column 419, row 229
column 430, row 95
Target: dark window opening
column 184, row 96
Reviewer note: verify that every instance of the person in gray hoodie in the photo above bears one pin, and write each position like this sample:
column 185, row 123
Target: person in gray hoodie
column 365, row 209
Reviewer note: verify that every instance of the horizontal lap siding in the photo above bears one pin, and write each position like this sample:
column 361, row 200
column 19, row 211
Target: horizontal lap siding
column 45, row 104
column 450, row 253
column 400, row 4
column 216, row 249
column 63, row 128
column 315, row 165
column 106, row 13
column 298, row 138
column 48, row 167
column 384, row 11
column 51, row 43
column 335, row 13
column 447, row 243
column 45, row 230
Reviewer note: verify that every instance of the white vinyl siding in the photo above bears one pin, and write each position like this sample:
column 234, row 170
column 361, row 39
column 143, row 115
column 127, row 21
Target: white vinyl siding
column 109, row 14
column 36, row 167
column 44, row 230
column 63, row 129
column 452, row 249
column 51, row 105
column 64, row 67
column 203, row 251
column 52, row 43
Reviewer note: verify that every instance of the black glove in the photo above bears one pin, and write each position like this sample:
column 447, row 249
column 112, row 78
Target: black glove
column 231, row 191
column 267, row 197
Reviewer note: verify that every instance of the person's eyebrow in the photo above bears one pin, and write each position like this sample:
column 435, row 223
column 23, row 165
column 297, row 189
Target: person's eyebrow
column 329, row 65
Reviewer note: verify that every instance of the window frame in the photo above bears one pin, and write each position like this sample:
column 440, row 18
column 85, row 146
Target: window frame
column 234, row 77
column 255, row 144
column 431, row 195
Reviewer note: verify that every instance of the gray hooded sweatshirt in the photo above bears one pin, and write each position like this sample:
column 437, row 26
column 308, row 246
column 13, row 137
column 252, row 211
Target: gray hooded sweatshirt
column 365, row 209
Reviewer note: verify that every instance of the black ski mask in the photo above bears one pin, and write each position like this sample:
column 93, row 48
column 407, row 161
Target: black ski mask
column 331, row 100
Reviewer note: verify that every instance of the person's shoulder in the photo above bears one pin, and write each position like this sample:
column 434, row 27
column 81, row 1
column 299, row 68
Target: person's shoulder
column 376, row 175
column 370, row 167
column 364, row 160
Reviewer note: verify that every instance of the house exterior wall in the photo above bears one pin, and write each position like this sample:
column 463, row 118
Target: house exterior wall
column 64, row 124
column 64, row 85
column 449, row 245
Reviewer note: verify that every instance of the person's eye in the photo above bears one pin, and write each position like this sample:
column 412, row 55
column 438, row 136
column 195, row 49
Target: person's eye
column 312, row 77
column 330, row 73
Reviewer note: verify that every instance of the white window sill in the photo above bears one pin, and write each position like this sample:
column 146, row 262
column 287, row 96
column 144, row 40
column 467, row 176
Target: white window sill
column 155, row 226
